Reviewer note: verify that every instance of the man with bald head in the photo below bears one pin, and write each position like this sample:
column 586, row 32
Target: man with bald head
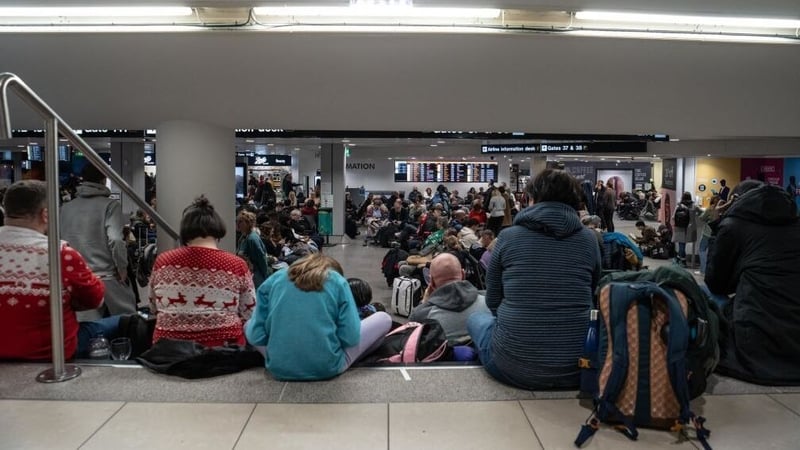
column 449, row 299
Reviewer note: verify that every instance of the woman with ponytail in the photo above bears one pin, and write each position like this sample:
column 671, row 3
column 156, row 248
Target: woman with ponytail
column 307, row 319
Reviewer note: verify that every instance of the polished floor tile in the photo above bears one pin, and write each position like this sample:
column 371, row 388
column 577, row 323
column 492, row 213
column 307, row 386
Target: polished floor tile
column 173, row 425
column 460, row 426
column 317, row 426
column 791, row 401
column 749, row 422
column 34, row 424
column 557, row 423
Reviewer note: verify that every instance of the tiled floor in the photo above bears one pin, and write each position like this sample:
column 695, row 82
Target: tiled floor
column 737, row 421
column 363, row 409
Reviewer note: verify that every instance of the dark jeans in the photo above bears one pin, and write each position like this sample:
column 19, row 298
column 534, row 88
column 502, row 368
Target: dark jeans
column 87, row 331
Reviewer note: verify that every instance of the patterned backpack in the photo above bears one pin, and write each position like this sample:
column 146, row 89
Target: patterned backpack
column 643, row 338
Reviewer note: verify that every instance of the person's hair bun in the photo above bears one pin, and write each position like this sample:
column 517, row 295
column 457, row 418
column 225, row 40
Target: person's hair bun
column 202, row 202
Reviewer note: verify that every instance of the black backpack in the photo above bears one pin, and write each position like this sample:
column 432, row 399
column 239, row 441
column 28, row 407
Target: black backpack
column 682, row 216
column 706, row 323
column 139, row 329
column 389, row 265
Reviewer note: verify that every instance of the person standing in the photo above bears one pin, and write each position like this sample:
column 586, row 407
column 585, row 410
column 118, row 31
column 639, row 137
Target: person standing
column 92, row 224
column 609, row 206
column 725, row 191
column 497, row 211
column 685, row 229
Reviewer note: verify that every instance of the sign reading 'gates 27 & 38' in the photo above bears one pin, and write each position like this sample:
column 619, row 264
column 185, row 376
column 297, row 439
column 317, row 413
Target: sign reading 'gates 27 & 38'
column 567, row 147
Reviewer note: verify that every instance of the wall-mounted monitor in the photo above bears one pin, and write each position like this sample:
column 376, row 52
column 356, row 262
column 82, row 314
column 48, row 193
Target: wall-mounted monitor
column 239, row 174
column 34, row 152
column 63, row 152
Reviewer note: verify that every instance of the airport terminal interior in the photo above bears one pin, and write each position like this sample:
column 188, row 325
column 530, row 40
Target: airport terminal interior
column 211, row 96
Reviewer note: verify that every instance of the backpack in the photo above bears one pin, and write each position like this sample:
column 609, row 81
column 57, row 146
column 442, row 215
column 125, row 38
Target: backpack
column 139, row 329
column 389, row 264
column 414, row 342
column 614, row 256
column 406, row 295
column 705, row 319
column 640, row 368
column 682, row 216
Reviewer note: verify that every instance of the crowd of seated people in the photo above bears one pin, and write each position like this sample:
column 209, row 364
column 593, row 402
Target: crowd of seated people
column 312, row 323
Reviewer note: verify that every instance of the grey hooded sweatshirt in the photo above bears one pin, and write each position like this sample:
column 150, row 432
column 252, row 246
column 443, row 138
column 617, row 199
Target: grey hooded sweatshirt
column 92, row 224
column 451, row 305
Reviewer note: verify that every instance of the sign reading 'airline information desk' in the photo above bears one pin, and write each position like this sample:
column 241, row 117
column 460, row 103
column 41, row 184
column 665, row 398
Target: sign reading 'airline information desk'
column 583, row 147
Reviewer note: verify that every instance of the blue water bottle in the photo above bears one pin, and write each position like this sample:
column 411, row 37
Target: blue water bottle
column 588, row 362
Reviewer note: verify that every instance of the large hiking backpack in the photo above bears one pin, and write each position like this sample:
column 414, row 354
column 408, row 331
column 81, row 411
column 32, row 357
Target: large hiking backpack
column 424, row 341
column 390, row 262
column 406, row 295
column 682, row 216
column 643, row 335
column 706, row 324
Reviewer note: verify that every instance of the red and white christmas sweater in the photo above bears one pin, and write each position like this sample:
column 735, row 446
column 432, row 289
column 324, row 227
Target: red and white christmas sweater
column 201, row 294
column 25, row 294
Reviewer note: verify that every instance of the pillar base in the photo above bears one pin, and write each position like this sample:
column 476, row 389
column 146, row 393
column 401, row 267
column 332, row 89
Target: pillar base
column 49, row 375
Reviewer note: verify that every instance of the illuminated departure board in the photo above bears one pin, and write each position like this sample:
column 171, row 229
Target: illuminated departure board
column 444, row 172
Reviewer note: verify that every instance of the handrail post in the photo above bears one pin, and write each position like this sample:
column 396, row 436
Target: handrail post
column 59, row 371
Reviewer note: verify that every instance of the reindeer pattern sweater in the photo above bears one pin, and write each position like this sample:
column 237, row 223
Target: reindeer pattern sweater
column 201, row 294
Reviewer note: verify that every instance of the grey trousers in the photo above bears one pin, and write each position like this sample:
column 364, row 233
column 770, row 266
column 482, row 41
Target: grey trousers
column 118, row 299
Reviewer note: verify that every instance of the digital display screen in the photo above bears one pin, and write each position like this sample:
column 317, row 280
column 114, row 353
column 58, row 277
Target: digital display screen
column 34, row 153
column 444, row 172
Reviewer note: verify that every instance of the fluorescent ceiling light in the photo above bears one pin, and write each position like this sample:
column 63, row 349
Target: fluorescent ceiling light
column 96, row 11
column 745, row 22
column 377, row 11
column 707, row 37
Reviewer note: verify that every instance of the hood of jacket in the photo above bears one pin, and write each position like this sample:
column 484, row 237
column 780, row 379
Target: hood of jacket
column 456, row 296
column 555, row 219
column 89, row 189
column 767, row 205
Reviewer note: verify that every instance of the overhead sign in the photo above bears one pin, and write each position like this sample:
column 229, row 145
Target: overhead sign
column 269, row 160
column 567, row 147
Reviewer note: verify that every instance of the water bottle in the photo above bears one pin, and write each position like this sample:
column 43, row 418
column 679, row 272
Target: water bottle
column 588, row 362
column 99, row 348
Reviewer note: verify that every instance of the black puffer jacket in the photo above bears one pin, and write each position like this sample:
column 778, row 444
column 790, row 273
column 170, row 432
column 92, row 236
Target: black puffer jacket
column 756, row 254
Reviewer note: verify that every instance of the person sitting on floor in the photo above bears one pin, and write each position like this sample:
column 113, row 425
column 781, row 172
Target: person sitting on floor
column 754, row 254
column 25, row 283
column 540, row 283
column 307, row 319
column 449, row 298
column 201, row 293
column 362, row 294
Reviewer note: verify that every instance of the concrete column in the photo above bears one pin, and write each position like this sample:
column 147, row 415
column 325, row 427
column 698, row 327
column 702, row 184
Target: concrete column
column 538, row 165
column 308, row 162
column 332, row 165
column 127, row 159
column 193, row 159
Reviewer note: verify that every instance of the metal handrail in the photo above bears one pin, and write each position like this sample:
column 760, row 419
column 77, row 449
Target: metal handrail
column 53, row 126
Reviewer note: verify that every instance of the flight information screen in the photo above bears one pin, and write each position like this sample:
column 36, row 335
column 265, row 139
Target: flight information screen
column 444, row 172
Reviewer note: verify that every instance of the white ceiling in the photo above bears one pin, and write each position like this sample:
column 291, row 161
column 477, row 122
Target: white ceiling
column 515, row 82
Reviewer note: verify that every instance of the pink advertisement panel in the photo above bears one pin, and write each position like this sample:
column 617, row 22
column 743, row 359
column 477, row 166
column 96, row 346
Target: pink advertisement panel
column 769, row 170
